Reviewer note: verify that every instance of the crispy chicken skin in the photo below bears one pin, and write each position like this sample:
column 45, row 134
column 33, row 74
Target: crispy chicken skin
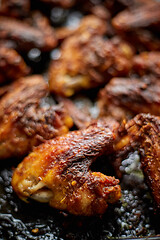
column 146, row 15
column 24, row 122
column 15, row 8
column 12, row 65
column 147, row 63
column 145, row 129
column 130, row 96
column 58, row 172
column 27, row 36
column 87, row 60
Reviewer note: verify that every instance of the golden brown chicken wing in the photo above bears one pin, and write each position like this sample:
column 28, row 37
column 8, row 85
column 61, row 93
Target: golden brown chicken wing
column 58, row 172
column 24, row 121
column 26, row 36
column 12, row 65
column 127, row 97
column 87, row 60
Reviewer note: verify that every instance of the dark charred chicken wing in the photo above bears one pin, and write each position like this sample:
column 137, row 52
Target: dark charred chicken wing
column 61, row 3
column 145, row 129
column 130, row 96
column 87, row 60
column 24, row 122
column 15, row 8
column 12, row 65
column 58, row 172
column 146, row 15
column 147, row 63
column 26, row 36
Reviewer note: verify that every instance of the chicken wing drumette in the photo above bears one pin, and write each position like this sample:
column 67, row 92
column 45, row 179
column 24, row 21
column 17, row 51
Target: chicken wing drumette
column 87, row 60
column 12, row 65
column 124, row 97
column 24, row 122
column 58, row 172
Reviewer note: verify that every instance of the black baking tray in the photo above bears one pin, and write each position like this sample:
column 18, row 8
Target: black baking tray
column 133, row 217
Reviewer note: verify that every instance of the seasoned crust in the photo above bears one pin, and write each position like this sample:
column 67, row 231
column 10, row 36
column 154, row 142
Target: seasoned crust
column 58, row 172
column 24, row 123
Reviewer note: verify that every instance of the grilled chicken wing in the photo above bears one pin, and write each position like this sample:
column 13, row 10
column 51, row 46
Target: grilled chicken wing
column 24, row 122
column 58, row 172
column 61, row 3
column 146, row 15
column 87, row 60
column 15, row 8
column 130, row 96
column 147, row 63
column 26, row 36
column 145, row 129
column 12, row 65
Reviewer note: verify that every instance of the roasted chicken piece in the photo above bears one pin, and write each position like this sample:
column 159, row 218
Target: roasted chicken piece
column 146, row 15
column 145, row 129
column 130, row 96
column 147, row 63
column 12, row 65
column 24, row 121
column 26, row 36
column 15, row 8
column 61, row 3
column 58, row 172
column 87, row 60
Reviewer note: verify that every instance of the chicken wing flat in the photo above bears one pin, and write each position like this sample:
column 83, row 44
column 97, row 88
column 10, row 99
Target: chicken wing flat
column 12, row 65
column 26, row 36
column 24, row 122
column 147, row 15
column 58, row 172
column 131, row 96
column 147, row 63
column 145, row 129
column 87, row 60
column 15, row 8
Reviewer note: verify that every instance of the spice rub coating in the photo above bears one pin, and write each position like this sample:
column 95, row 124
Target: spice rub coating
column 24, row 122
column 58, row 172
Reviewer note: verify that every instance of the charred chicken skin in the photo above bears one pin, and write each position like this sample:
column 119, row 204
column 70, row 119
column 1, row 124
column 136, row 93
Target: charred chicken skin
column 130, row 96
column 87, row 60
column 12, row 65
column 58, row 172
column 145, row 129
column 24, row 122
